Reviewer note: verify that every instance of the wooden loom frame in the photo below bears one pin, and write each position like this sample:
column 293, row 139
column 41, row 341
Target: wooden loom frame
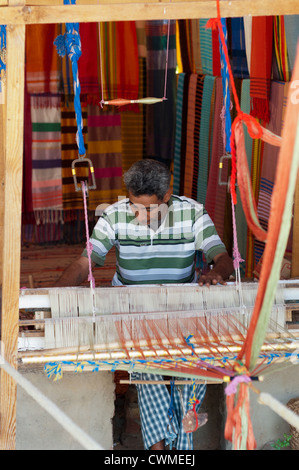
column 16, row 14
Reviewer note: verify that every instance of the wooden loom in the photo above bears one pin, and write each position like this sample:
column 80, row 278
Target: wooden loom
column 179, row 330
column 16, row 14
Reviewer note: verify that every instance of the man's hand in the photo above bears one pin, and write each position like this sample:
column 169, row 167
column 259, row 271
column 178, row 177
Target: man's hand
column 222, row 269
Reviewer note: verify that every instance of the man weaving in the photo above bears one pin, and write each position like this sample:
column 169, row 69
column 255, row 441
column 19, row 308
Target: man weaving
column 155, row 235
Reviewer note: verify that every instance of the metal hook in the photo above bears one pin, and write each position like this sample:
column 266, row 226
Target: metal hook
column 227, row 156
column 82, row 159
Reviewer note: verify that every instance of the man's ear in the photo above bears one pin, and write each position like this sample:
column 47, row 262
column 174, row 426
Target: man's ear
column 167, row 196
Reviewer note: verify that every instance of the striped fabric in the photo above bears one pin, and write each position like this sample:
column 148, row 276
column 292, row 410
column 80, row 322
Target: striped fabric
column 261, row 66
column 42, row 69
column 216, row 194
column 238, row 50
column 119, row 67
column 46, row 155
column 105, row 152
column 146, row 256
column 193, row 130
column 206, row 125
column 178, row 135
column 280, row 50
column 242, row 229
column 160, row 129
column 206, row 47
column 191, row 119
column 270, row 158
column 72, row 200
column 133, row 127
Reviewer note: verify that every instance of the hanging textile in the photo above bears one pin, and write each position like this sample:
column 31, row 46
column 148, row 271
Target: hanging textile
column 216, row 194
column 193, row 131
column 278, row 229
column 72, row 200
column 88, row 64
column 46, row 159
column 261, row 66
column 281, row 69
column 160, row 129
column 105, row 152
column 191, row 122
column 237, row 47
column 206, row 47
column 247, row 20
column 119, row 64
column 242, row 228
column 291, row 23
column 195, row 37
column 42, row 67
column 133, row 128
column 206, row 132
column 185, row 46
column 179, row 149
column 268, row 171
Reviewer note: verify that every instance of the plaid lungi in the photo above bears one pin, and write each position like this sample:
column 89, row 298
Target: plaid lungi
column 155, row 404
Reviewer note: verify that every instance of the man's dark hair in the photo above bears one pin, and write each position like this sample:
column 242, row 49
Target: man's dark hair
column 148, row 177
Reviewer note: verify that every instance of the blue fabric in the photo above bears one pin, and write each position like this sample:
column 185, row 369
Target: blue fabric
column 161, row 413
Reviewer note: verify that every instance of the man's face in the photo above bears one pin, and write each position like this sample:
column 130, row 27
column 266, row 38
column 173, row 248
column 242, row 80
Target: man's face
column 149, row 210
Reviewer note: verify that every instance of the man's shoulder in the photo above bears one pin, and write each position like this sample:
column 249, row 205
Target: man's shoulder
column 184, row 202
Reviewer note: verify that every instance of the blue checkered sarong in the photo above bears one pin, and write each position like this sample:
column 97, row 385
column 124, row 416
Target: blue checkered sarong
column 155, row 404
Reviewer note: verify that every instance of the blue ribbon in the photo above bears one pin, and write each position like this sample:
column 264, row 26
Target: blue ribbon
column 225, row 86
column 70, row 44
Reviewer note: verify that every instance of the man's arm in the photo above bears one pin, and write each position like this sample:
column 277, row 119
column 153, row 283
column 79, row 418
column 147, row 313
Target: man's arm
column 75, row 274
column 222, row 269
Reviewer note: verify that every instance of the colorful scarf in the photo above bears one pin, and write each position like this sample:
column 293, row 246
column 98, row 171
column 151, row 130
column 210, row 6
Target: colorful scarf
column 42, row 69
column 118, row 60
column 46, row 159
column 216, row 194
column 133, row 128
column 269, row 164
column 72, row 199
column 206, row 47
column 105, row 152
column 261, row 66
column 206, row 130
column 178, row 166
column 280, row 50
column 88, row 63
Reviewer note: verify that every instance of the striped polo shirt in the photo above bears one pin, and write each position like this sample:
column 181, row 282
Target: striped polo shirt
column 164, row 254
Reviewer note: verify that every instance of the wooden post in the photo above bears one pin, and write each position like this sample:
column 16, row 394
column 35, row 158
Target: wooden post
column 12, row 227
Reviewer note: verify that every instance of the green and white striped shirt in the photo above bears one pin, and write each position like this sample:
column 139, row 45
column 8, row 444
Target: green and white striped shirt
column 161, row 256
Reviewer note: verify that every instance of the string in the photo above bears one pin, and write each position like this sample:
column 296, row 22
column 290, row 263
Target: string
column 88, row 242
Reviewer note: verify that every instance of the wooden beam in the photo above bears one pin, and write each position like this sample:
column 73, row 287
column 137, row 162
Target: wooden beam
column 2, row 168
column 151, row 10
column 15, row 59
